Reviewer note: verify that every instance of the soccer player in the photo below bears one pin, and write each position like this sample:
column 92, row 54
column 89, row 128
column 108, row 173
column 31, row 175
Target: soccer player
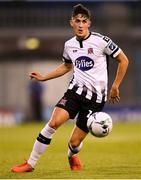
column 86, row 54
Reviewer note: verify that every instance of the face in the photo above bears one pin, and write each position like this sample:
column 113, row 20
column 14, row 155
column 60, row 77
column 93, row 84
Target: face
column 80, row 25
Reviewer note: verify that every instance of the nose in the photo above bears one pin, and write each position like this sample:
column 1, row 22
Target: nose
column 80, row 24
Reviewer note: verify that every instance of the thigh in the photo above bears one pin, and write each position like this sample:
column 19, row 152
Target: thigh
column 59, row 116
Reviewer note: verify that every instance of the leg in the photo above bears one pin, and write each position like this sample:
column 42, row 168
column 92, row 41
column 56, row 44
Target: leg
column 75, row 145
column 58, row 117
column 77, row 137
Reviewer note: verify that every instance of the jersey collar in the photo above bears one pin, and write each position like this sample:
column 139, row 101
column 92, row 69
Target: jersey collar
column 81, row 40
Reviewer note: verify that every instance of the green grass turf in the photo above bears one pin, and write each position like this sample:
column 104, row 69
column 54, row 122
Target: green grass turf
column 117, row 156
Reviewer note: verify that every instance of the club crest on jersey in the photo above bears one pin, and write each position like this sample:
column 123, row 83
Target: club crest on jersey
column 90, row 51
column 84, row 63
column 63, row 101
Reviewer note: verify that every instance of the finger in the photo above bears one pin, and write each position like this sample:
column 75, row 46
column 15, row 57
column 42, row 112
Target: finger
column 32, row 76
column 111, row 101
column 34, row 73
column 114, row 99
column 117, row 98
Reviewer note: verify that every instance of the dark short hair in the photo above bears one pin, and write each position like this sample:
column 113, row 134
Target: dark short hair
column 80, row 9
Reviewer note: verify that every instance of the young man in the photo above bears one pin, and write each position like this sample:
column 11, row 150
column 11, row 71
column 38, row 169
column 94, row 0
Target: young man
column 86, row 54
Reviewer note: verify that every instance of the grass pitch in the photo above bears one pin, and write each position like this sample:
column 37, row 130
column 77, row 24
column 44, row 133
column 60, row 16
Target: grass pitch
column 117, row 156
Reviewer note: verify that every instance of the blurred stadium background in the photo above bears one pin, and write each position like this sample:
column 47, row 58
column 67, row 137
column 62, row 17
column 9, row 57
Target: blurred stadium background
column 32, row 35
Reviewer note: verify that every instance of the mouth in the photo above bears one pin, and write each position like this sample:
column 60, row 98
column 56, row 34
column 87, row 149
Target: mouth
column 80, row 31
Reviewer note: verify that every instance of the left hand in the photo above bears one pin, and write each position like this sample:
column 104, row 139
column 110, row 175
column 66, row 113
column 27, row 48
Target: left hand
column 114, row 95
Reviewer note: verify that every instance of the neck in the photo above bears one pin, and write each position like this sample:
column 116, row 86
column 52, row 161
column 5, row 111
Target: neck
column 83, row 38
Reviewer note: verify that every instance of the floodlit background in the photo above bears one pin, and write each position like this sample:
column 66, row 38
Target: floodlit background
column 32, row 35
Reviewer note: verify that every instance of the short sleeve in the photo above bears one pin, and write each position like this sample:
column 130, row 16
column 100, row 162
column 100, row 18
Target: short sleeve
column 66, row 57
column 111, row 48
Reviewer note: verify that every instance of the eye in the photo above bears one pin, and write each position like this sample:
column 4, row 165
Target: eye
column 84, row 21
column 77, row 20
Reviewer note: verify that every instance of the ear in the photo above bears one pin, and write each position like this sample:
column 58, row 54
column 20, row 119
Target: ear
column 71, row 23
column 89, row 23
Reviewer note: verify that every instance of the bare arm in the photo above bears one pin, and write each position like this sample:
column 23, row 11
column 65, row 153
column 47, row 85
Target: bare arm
column 59, row 71
column 121, row 71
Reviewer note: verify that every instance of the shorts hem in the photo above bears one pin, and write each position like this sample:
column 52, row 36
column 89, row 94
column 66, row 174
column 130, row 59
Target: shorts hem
column 63, row 107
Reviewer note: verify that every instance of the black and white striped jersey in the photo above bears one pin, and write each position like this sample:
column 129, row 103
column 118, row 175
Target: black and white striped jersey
column 89, row 58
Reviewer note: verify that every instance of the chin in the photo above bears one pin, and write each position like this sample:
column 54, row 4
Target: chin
column 81, row 36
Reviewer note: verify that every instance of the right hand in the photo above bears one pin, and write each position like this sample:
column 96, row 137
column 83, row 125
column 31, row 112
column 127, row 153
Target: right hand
column 114, row 95
column 37, row 76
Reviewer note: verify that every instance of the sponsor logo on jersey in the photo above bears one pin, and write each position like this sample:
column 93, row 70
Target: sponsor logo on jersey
column 112, row 46
column 84, row 63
